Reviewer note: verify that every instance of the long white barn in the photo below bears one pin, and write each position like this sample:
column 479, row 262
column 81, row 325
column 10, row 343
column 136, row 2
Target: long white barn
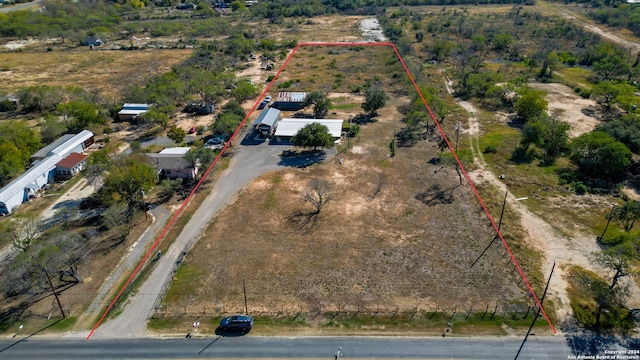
column 42, row 171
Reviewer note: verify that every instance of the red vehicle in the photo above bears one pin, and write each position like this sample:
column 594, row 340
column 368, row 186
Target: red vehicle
column 192, row 130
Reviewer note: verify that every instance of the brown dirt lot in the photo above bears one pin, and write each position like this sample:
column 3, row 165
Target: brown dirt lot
column 110, row 71
column 399, row 231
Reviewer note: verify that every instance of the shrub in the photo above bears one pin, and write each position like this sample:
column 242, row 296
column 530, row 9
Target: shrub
column 490, row 149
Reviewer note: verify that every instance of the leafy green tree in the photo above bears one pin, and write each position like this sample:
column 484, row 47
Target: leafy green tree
column 245, row 90
column 441, row 49
column 17, row 142
column 502, row 42
column 40, row 98
column 80, row 115
column 176, row 134
column 625, row 129
column 375, row 99
column 51, row 128
column 531, row 104
column 156, row 117
column 226, row 123
column 626, row 215
column 125, row 181
column 313, row 135
column 98, row 164
column 320, row 102
column 556, row 140
column 609, row 93
column 600, row 156
column 202, row 156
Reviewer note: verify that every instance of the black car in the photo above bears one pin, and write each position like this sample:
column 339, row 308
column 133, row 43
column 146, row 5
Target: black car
column 243, row 323
column 262, row 104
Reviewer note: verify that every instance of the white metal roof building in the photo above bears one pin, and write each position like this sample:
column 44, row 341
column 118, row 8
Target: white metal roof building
column 288, row 127
column 131, row 110
column 18, row 191
column 66, row 144
column 267, row 121
column 43, row 170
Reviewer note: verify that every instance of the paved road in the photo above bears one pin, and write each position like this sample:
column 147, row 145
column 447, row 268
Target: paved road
column 291, row 348
column 249, row 160
column 24, row 6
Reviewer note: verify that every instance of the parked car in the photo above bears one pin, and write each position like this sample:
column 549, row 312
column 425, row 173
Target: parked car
column 267, row 98
column 263, row 104
column 242, row 323
column 192, row 130
column 215, row 143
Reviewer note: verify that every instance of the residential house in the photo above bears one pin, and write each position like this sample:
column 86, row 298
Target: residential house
column 171, row 163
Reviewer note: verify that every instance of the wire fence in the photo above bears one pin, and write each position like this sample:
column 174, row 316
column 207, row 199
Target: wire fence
column 485, row 312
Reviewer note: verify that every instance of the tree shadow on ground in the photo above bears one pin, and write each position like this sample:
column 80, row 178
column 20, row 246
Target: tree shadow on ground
column 408, row 137
column 303, row 221
column 301, row 159
column 591, row 343
column 26, row 338
column 435, row 195
column 363, row 119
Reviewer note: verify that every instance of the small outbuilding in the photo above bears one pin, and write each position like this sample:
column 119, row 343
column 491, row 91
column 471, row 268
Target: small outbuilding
column 267, row 122
column 131, row 111
column 289, row 101
column 288, row 127
column 171, row 163
column 71, row 165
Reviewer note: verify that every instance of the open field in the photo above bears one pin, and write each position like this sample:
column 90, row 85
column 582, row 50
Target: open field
column 399, row 231
column 108, row 71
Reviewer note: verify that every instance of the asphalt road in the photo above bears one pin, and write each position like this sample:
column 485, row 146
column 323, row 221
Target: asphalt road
column 23, row 6
column 250, row 347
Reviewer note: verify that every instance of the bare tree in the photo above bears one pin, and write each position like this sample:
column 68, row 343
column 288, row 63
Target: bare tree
column 318, row 194
column 26, row 229
column 117, row 217
column 618, row 259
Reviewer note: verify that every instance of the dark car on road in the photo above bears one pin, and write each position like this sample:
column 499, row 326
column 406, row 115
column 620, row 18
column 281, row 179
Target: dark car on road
column 242, row 323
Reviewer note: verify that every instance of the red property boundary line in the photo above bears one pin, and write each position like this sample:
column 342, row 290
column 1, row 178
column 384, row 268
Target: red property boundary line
column 253, row 108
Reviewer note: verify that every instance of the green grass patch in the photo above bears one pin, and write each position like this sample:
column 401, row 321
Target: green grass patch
column 583, row 302
column 164, row 323
column 346, row 106
column 63, row 325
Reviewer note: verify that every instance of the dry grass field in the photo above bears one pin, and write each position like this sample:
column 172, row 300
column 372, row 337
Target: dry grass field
column 399, row 232
column 109, row 71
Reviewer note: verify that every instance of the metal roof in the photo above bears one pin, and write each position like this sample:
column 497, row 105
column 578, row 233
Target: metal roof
column 23, row 181
column 170, row 158
column 289, row 127
column 45, row 150
column 268, row 117
column 134, row 106
column 71, row 160
column 289, row 96
column 65, row 148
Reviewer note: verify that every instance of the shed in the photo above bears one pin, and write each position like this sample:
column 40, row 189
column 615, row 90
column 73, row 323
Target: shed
column 130, row 111
column 71, row 165
column 288, row 127
column 289, row 101
column 171, row 163
column 267, row 121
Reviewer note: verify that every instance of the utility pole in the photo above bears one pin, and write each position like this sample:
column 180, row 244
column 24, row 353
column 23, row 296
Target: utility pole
column 244, row 290
column 504, row 202
column 457, row 135
column 46, row 272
